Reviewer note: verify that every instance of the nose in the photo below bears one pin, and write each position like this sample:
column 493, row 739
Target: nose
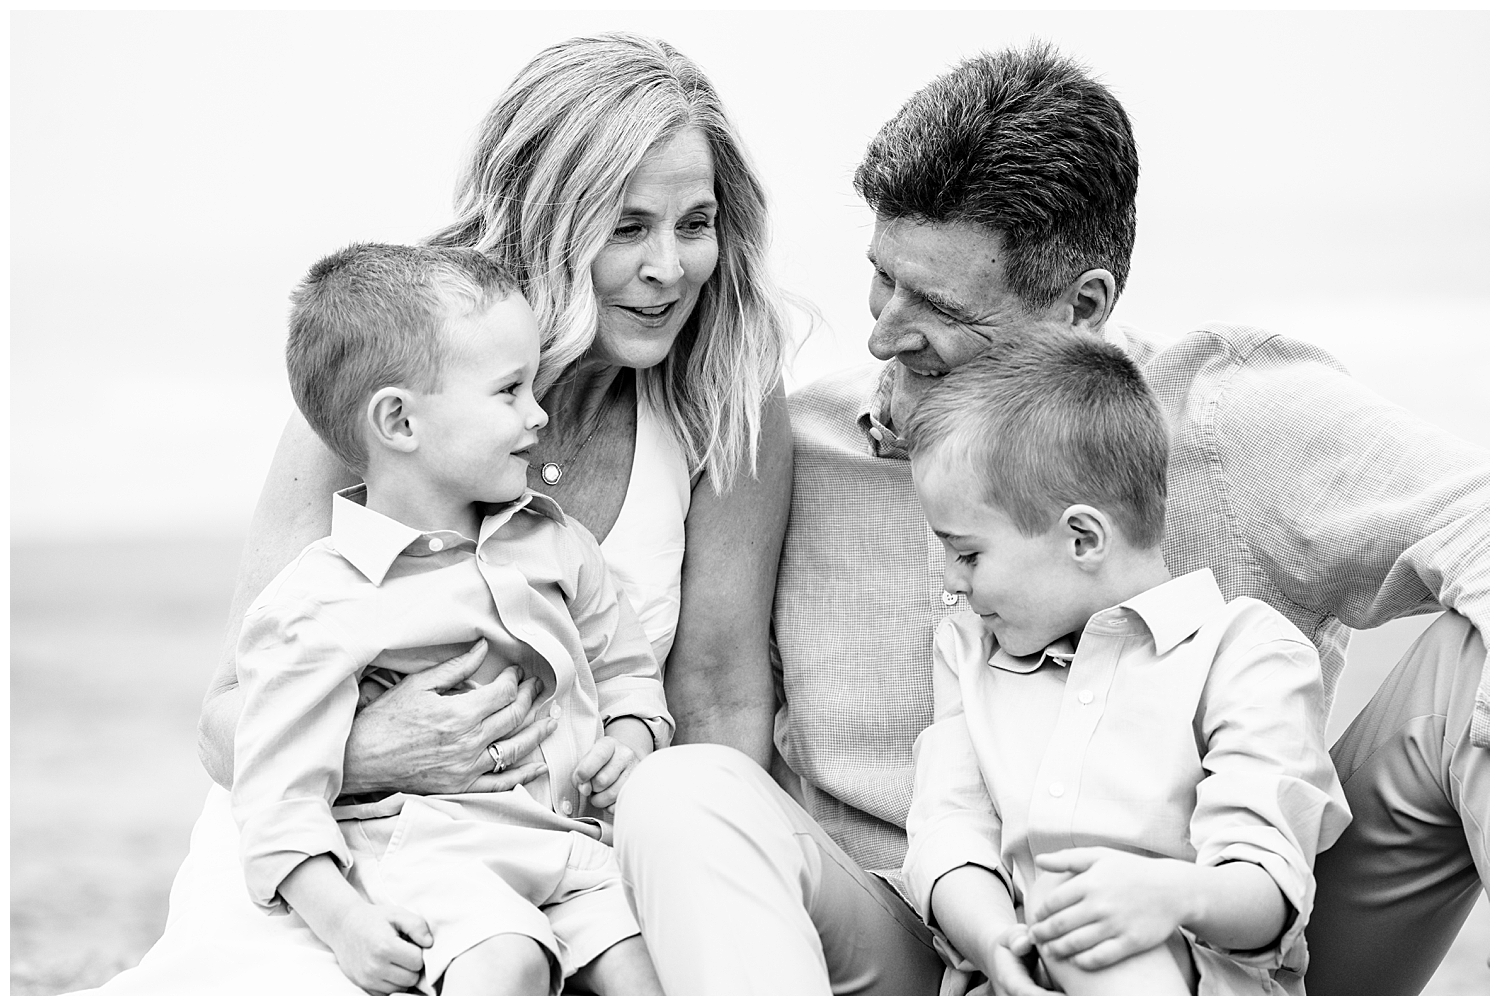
column 955, row 576
column 538, row 417
column 662, row 265
column 894, row 331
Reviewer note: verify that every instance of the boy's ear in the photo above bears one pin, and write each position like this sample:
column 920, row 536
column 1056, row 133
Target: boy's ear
column 388, row 417
column 1089, row 535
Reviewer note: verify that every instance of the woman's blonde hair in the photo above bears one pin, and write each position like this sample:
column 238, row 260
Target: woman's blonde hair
column 545, row 188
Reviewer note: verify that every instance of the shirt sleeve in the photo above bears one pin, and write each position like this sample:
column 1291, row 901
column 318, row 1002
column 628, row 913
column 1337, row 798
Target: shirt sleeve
column 624, row 666
column 1270, row 795
column 952, row 821
column 300, row 689
column 1352, row 505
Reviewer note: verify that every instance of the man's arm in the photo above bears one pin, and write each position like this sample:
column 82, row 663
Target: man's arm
column 1352, row 505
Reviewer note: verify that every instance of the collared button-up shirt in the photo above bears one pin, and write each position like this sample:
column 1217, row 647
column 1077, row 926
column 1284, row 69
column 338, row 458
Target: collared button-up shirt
column 1183, row 727
column 1294, row 483
column 378, row 595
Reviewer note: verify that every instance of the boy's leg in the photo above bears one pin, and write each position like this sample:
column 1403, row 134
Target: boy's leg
column 625, row 969
column 1394, row 890
column 436, row 866
column 740, row 892
column 504, row 965
column 597, row 935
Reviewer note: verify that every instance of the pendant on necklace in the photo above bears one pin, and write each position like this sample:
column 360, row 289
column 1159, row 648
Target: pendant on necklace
column 552, row 473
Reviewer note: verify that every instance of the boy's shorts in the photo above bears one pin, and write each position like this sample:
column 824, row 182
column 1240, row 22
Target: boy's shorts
column 472, row 878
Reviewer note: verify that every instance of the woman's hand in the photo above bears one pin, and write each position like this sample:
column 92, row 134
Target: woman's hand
column 415, row 739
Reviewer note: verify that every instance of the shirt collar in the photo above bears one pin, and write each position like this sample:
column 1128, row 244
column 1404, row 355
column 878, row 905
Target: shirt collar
column 371, row 541
column 1115, row 336
column 877, row 413
column 1059, row 651
column 500, row 514
column 1178, row 608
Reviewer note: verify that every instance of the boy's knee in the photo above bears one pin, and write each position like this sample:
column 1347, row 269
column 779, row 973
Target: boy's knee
column 507, row 964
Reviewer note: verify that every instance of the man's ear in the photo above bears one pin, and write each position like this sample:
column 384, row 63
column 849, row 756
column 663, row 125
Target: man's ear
column 1090, row 300
column 388, row 417
column 1089, row 535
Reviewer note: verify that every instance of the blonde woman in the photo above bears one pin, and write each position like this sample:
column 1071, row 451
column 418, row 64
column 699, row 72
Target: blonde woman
column 609, row 180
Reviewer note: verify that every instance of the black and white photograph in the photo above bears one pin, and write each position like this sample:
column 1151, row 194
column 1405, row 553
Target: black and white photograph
column 750, row 503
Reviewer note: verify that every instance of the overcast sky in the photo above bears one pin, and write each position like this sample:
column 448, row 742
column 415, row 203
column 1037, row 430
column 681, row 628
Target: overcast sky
column 172, row 175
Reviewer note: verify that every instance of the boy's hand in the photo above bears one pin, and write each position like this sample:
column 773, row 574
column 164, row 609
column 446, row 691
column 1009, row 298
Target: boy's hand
column 1113, row 906
column 380, row 946
column 603, row 771
column 1006, row 967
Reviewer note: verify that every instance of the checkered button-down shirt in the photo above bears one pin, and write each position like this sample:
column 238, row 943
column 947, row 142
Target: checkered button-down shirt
column 1291, row 481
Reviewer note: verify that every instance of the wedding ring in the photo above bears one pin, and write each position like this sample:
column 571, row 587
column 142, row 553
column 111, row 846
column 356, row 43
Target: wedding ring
column 494, row 750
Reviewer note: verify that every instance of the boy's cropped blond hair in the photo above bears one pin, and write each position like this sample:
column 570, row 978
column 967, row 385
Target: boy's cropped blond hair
column 1048, row 421
column 375, row 315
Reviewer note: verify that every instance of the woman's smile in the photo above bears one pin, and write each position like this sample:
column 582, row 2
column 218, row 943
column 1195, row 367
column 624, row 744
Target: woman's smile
column 652, row 316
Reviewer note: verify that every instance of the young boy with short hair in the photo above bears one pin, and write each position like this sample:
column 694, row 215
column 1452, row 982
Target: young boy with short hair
column 1123, row 756
column 415, row 366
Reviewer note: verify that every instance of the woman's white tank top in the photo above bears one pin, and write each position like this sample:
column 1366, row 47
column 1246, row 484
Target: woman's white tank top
column 644, row 549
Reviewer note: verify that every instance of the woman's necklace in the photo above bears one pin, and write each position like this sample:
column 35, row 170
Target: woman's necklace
column 552, row 472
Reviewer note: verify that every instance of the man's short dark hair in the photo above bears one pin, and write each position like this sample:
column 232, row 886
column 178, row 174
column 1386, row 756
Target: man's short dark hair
column 1047, row 422
column 374, row 315
column 1026, row 144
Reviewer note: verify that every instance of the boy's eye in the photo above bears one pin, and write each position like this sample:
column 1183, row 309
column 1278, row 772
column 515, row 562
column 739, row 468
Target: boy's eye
column 510, row 389
column 967, row 558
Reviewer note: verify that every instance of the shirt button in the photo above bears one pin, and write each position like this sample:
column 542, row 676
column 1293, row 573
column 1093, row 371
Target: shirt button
column 436, row 544
column 1056, row 789
column 556, row 712
column 1085, row 696
column 950, row 599
column 566, row 806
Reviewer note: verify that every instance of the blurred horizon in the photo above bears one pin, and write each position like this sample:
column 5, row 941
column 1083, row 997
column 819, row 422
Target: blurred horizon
column 1322, row 174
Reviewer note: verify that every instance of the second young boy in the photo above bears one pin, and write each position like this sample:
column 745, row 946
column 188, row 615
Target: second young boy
column 1124, row 770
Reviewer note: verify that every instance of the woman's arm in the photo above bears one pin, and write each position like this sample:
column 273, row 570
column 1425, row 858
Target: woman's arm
column 293, row 510
column 413, row 737
column 718, row 676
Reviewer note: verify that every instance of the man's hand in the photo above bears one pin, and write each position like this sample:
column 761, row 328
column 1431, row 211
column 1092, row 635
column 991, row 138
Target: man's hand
column 1113, row 905
column 603, row 771
column 380, row 946
column 417, row 739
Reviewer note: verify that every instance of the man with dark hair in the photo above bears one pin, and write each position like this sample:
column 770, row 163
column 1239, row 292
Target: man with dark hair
column 1004, row 197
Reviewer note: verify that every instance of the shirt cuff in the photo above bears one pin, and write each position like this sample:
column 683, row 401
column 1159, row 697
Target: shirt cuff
column 277, row 840
column 661, row 728
column 1289, row 951
column 944, row 845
